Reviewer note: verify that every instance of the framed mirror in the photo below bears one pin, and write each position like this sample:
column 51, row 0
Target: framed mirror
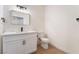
column 20, row 18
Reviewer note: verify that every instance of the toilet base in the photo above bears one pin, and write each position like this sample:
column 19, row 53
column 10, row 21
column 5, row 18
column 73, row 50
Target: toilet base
column 44, row 45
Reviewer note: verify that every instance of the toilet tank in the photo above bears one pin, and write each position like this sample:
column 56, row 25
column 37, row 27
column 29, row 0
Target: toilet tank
column 41, row 34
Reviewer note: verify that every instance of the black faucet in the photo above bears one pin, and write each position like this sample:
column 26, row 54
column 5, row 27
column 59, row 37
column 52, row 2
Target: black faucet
column 21, row 29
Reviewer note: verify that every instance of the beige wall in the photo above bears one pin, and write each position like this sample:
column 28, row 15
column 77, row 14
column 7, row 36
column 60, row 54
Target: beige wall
column 62, row 27
column 37, row 17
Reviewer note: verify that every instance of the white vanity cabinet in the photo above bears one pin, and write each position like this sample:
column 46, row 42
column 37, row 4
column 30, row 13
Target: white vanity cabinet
column 19, row 43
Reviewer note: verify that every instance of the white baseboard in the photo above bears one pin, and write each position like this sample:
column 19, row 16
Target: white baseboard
column 59, row 48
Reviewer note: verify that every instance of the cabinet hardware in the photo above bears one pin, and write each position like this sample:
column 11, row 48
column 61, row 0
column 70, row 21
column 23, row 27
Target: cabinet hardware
column 24, row 42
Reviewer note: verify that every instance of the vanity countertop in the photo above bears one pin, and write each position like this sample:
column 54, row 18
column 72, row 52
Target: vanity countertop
column 17, row 33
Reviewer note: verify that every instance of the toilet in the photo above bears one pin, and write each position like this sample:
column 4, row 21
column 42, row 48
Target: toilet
column 44, row 40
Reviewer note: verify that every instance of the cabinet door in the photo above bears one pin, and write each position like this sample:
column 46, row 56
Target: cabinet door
column 13, row 47
column 31, row 44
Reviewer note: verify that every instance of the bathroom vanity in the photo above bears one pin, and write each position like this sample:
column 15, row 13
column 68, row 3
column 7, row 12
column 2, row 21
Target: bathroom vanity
column 19, row 43
column 15, row 36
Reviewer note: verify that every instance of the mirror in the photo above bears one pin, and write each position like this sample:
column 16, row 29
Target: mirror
column 20, row 18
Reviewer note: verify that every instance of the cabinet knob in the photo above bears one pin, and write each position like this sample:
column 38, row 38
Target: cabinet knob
column 24, row 42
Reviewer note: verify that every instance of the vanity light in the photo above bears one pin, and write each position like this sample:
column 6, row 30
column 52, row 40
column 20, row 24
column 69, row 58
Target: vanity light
column 21, row 7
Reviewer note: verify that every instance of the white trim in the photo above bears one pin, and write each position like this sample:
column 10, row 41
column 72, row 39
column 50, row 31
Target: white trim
column 60, row 48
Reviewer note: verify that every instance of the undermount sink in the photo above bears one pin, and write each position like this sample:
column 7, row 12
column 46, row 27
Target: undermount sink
column 14, row 33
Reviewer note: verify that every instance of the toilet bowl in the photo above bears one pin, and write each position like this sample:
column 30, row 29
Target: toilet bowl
column 44, row 40
column 44, row 43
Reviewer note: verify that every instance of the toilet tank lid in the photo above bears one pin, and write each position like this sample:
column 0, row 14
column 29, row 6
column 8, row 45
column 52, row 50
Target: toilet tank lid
column 44, row 39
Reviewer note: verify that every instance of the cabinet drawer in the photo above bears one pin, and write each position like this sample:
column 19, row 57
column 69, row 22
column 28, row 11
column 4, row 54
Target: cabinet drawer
column 13, row 47
column 18, row 37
